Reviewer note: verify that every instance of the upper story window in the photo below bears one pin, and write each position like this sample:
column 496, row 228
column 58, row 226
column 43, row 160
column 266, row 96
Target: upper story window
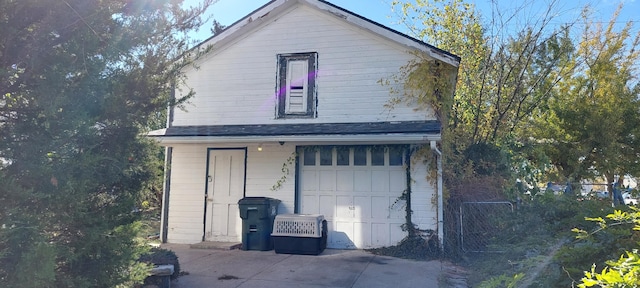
column 297, row 85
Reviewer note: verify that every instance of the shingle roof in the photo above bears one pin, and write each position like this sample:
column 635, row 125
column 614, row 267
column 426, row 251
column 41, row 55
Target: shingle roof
column 375, row 128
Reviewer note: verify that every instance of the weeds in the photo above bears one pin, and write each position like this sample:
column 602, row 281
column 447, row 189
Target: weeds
column 532, row 240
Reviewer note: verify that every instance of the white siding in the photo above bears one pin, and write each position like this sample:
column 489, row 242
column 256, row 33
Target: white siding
column 188, row 180
column 237, row 84
column 264, row 169
column 423, row 197
column 186, row 198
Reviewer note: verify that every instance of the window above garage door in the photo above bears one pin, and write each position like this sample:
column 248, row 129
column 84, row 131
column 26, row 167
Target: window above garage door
column 388, row 155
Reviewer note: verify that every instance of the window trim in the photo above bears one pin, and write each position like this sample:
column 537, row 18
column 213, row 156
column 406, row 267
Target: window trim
column 283, row 89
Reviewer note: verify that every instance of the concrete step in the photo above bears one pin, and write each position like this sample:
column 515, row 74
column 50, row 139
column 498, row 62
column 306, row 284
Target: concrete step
column 216, row 245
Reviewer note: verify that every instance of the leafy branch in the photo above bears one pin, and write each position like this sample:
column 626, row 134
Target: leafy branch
column 623, row 272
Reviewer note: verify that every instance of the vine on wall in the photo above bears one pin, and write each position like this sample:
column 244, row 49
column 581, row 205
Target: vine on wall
column 286, row 170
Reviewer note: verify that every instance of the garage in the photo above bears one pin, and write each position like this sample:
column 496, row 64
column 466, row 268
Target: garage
column 358, row 190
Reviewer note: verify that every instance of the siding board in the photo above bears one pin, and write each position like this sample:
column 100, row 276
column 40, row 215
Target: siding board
column 236, row 85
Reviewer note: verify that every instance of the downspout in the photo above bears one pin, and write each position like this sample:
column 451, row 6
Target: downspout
column 164, row 222
column 434, row 147
column 296, row 189
column 166, row 189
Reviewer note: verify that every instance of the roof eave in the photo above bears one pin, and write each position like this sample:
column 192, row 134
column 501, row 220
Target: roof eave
column 323, row 139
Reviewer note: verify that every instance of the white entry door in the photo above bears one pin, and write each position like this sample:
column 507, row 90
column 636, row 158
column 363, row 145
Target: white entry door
column 225, row 186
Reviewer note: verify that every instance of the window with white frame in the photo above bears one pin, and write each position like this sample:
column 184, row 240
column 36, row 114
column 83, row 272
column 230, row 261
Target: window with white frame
column 296, row 85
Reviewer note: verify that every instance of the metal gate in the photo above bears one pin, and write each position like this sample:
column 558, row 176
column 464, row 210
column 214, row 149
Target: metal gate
column 481, row 222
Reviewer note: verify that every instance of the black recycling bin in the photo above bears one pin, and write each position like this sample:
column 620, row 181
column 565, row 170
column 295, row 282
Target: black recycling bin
column 257, row 215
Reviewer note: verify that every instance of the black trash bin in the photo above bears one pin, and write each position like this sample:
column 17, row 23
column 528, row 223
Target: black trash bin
column 257, row 215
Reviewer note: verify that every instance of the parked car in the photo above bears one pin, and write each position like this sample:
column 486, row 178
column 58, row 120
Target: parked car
column 602, row 194
column 629, row 199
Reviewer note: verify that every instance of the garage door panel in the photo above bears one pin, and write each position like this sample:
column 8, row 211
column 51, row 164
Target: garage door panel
column 310, row 204
column 327, row 180
column 310, row 182
column 397, row 182
column 379, row 234
column 380, row 207
column 327, row 206
column 362, row 234
column 362, row 180
column 362, row 207
column 330, row 229
column 344, row 234
column 397, row 210
column 395, row 233
column 379, row 181
column 345, row 181
column 344, row 207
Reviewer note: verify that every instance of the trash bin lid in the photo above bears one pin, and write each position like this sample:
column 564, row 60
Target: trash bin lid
column 257, row 201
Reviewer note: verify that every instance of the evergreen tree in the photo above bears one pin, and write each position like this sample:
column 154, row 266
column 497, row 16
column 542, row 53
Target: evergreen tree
column 79, row 81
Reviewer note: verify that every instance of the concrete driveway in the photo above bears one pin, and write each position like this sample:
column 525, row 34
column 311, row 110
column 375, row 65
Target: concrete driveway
column 332, row 268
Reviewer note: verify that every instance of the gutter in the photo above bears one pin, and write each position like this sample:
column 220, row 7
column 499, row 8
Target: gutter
column 369, row 139
column 434, row 147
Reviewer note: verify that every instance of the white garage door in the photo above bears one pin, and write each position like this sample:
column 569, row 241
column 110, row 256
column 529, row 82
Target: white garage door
column 357, row 189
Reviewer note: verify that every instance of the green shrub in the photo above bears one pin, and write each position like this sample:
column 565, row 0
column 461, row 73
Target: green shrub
column 610, row 243
column 624, row 271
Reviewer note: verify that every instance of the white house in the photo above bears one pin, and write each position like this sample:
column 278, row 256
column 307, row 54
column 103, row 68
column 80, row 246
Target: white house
column 288, row 105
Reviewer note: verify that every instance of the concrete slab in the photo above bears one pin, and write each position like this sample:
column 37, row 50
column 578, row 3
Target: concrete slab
column 335, row 268
column 332, row 268
column 395, row 272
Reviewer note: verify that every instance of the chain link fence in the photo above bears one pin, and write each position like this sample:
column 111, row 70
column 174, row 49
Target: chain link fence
column 480, row 224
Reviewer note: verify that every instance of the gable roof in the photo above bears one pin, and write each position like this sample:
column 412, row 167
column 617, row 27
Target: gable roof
column 270, row 11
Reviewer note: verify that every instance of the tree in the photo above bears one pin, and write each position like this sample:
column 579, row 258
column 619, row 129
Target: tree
column 505, row 75
column 528, row 102
column 217, row 28
column 79, row 81
column 590, row 128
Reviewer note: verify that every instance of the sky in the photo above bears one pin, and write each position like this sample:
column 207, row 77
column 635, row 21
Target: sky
column 229, row 11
